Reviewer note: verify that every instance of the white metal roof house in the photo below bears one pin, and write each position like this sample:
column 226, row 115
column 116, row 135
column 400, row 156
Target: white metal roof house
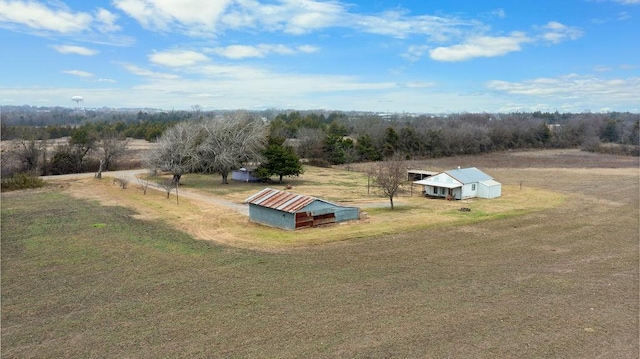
column 461, row 183
column 294, row 211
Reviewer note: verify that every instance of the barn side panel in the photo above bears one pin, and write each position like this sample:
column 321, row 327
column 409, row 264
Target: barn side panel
column 271, row 217
column 321, row 208
column 347, row 214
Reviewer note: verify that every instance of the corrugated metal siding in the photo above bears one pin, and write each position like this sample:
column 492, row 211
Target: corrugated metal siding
column 292, row 211
column 280, row 200
column 271, row 217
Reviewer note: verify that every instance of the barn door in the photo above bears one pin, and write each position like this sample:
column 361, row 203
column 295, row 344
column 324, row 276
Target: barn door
column 324, row 219
column 304, row 220
column 307, row 219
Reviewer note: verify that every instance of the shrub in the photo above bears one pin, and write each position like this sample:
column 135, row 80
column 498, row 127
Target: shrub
column 21, row 181
column 319, row 162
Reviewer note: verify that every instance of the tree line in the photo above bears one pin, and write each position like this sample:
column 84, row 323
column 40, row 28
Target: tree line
column 341, row 139
column 323, row 138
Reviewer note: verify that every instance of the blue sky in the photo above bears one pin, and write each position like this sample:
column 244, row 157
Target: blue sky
column 399, row 56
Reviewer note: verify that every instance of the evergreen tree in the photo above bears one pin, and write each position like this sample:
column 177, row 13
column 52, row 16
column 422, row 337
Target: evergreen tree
column 280, row 160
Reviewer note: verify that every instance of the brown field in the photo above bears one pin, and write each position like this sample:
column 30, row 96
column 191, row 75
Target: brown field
column 550, row 270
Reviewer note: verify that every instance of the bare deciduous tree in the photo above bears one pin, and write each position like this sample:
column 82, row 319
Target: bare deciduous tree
column 390, row 175
column 168, row 186
column 122, row 182
column 174, row 151
column 27, row 152
column 209, row 146
column 112, row 147
column 144, row 184
column 228, row 143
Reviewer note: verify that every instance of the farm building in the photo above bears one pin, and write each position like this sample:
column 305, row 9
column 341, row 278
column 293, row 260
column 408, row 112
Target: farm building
column 244, row 175
column 294, row 211
column 416, row 175
column 461, row 183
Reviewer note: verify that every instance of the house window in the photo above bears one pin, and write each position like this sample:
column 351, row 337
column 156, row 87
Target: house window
column 442, row 190
column 473, row 187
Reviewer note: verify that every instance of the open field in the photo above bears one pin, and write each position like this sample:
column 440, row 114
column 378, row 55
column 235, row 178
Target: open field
column 556, row 277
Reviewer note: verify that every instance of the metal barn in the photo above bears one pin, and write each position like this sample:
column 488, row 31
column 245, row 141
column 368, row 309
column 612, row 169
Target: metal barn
column 294, row 211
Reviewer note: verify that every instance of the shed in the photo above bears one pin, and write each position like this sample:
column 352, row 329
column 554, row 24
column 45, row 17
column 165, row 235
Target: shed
column 244, row 175
column 416, row 175
column 461, row 183
column 294, row 211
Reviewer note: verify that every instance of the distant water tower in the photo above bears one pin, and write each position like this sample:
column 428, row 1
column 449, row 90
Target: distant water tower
column 77, row 100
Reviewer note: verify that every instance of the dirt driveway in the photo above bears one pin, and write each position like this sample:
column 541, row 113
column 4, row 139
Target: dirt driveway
column 131, row 175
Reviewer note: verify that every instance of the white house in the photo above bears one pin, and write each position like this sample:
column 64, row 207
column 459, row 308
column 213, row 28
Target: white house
column 461, row 183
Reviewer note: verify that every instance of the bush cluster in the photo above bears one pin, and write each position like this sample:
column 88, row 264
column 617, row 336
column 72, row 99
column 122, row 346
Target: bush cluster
column 21, row 181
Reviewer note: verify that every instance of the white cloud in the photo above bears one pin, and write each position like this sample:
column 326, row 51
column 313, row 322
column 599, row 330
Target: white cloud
column 580, row 89
column 177, row 58
column 628, row 2
column 78, row 73
column 555, row 32
column 261, row 50
column 415, row 52
column 480, row 46
column 296, row 17
column 139, row 71
column 499, row 13
column 602, row 68
column 111, row 81
column 400, row 25
column 628, row 67
column 37, row 16
column 190, row 15
column 290, row 16
column 308, row 49
column 106, row 21
column 77, row 50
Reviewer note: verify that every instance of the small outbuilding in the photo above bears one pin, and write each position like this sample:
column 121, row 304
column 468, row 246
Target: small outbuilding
column 461, row 183
column 292, row 211
column 244, row 175
column 416, row 175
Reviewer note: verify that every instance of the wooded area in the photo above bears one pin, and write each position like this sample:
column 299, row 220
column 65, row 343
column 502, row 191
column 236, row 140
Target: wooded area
column 323, row 138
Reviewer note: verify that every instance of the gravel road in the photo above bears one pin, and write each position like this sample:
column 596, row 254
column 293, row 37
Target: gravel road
column 131, row 176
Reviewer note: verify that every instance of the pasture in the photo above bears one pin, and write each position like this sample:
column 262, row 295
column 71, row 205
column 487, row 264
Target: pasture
column 549, row 270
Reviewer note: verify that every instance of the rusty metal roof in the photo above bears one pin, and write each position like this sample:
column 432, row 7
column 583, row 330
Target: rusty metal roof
column 280, row 200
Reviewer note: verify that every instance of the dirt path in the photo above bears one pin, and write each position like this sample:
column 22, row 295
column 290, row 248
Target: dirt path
column 131, row 175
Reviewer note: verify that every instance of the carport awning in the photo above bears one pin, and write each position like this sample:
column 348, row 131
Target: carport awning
column 437, row 184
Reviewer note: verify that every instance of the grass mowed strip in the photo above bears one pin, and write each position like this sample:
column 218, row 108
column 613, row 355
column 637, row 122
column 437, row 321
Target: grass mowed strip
column 80, row 279
column 413, row 211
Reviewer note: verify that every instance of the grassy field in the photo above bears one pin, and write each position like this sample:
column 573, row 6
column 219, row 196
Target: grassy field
column 413, row 212
column 92, row 278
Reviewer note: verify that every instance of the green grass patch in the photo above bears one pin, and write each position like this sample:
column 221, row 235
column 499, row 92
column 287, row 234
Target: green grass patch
column 424, row 280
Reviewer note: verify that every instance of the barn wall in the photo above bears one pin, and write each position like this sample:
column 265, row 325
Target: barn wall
column 347, row 214
column 342, row 213
column 271, row 217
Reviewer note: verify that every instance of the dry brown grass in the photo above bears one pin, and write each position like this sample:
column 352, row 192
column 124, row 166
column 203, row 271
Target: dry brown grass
column 210, row 221
column 560, row 281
